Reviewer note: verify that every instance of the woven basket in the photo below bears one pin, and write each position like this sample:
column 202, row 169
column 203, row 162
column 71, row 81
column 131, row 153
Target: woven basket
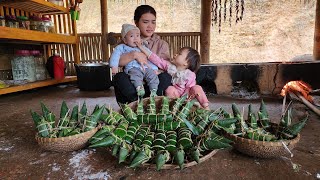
column 65, row 144
column 158, row 100
column 262, row 149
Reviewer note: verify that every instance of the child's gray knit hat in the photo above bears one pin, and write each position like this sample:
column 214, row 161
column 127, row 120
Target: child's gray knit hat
column 126, row 28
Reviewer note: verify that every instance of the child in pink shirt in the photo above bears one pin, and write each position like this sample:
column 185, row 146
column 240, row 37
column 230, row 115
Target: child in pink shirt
column 182, row 68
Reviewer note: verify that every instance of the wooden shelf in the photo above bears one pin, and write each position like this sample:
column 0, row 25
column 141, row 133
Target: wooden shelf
column 36, row 36
column 36, row 84
column 35, row 6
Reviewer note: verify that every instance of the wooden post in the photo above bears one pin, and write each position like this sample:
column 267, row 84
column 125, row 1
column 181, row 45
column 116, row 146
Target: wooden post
column 316, row 44
column 205, row 31
column 104, row 29
column 76, row 48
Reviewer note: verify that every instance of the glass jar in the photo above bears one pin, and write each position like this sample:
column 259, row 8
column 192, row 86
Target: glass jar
column 49, row 26
column 11, row 21
column 34, row 23
column 41, row 26
column 23, row 66
column 46, row 22
column 24, row 22
column 2, row 21
column 40, row 69
column 57, row 2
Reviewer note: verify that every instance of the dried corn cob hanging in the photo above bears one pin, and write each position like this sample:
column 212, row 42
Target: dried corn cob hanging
column 219, row 6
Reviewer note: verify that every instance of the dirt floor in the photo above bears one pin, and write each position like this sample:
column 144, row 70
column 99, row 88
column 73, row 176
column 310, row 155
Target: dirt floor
column 22, row 158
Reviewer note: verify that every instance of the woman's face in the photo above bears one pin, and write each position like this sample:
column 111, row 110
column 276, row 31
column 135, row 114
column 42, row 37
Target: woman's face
column 147, row 25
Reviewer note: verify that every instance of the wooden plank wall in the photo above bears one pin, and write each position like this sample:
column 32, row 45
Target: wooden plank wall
column 91, row 52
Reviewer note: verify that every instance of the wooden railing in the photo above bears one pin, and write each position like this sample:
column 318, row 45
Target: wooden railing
column 91, row 50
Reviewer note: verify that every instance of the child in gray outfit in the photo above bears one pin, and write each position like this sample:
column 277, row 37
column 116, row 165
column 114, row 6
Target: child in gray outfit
column 130, row 36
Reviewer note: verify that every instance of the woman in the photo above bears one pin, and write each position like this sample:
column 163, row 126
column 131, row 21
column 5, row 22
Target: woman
column 145, row 20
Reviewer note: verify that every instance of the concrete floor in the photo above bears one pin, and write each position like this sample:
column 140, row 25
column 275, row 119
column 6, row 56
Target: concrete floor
column 22, row 158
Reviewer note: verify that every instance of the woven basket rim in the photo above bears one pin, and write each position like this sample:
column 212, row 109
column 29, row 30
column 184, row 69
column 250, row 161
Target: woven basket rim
column 62, row 139
column 277, row 143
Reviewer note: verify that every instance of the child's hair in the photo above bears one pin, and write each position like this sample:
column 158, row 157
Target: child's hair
column 141, row 10
column 193, row 58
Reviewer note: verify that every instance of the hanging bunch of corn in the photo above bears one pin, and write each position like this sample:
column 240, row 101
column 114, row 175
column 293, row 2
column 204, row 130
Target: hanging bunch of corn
column 70, row 122
column 219, row 6
column 262, row 129
column 175, row 132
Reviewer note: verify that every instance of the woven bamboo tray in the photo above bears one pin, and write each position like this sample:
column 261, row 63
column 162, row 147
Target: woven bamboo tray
column 262, row 149
column 158, row 100
column 65, row 144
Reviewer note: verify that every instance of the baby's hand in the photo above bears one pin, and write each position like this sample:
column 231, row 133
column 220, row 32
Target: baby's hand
column 115, row 70
column 139, row 44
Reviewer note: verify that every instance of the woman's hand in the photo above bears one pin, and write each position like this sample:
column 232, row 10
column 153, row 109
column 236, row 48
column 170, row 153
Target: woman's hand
column 141, row 58
column 115, row 70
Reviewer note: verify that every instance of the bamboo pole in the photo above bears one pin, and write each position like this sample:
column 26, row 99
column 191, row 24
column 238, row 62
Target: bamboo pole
column 104, row 29
column 205, row 31
column 316, row 44
column 76, row 51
